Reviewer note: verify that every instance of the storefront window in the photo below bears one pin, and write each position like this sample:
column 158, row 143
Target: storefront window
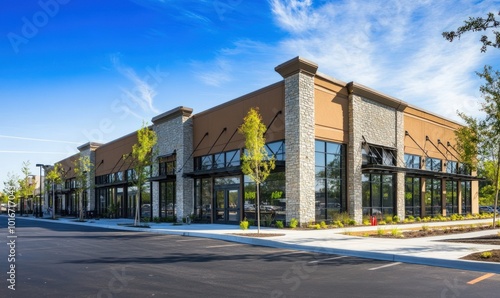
column 378, row 194
column 412, row 196
column 451, row 197
column 329, row 180
column 433, row 203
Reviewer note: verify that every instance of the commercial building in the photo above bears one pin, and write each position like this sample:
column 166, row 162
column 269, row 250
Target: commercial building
column 339, row 147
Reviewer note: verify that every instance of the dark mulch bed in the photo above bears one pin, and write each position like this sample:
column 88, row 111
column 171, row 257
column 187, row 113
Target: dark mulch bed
column 258, row 235
column 479, row 256
column 417, row 233
column 491, row 239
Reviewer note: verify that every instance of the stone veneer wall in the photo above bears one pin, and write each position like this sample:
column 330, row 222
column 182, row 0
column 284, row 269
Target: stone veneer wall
column 299, row 136
column 378, row 124
column 176, row 134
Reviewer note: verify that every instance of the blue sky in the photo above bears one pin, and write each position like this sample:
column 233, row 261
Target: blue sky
column 74, row 71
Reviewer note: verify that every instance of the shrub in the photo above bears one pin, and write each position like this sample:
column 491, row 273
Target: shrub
column 410, row 218
column 396, row 232
column 380, row 231
column 395, row 219
column 366, row 222
column 418, row 219
column 323, row 224
column 382, row 223
column 351, row 222
column 293, row 223
column 338, row 224
column 244, row 224
column 486, row 255
column 156, row 219
column 279, row 224
column 425, row 228
column 388, row 219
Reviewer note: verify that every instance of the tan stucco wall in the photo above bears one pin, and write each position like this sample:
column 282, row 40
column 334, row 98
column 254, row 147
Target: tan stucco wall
column 270, row 100
column 331, row 111
column 111, row 155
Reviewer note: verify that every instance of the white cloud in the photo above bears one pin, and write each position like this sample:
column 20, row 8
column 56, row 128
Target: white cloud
column 213, row 73
column 142, row 93
column 390, row 46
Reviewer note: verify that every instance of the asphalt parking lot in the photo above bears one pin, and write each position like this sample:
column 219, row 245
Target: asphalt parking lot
column 58, row 260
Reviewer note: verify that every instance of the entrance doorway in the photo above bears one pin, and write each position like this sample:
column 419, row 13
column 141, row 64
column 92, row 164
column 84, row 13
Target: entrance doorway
column 227, row 206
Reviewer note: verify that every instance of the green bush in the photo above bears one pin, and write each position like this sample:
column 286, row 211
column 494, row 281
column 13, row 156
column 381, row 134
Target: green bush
column 418, row 219
column 156, row 219
column 395, row 219
column 323, row 224
column 338, row 224
column 366, row 222
column 388, row 219
column 396, row 232
column 293, row 223
column 279, row 224
column 425, row 228
column 380, row 231
column 486, row 255
column 244, row 224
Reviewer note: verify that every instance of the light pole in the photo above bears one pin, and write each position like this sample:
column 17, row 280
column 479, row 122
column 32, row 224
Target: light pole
column 38, row 207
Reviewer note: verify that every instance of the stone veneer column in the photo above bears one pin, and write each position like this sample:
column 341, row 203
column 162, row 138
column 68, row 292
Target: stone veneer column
column 175, row 134
column 298, row 75
column 378, row 119
column 88, row 149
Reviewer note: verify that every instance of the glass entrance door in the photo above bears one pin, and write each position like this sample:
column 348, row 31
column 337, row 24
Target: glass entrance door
column 227, row 207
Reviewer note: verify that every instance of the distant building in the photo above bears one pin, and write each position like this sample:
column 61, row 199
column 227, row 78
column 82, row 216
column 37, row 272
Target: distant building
column 340, row 147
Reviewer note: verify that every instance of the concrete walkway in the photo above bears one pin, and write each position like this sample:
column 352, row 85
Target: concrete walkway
column 425, row 250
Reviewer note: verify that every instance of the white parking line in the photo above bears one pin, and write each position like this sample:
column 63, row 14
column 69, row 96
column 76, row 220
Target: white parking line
column 329, row 259
column 385, row 266
column 225, row 245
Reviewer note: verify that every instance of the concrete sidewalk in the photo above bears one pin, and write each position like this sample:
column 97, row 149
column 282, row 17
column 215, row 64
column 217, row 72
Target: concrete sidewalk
column 425, row 251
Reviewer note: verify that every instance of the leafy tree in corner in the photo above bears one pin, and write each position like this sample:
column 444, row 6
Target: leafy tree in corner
column 481, row 138
column 54, row 177
column 82, row 169
column 11, row 185
column 26, row 184
column 478, row 24
column 255, row 161
column 142, row 156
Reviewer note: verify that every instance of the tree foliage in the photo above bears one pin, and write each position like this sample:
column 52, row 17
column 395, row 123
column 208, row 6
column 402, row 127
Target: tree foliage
column 27, row 184
column 479, row 24
column 11, row 186
column 53, row 178
column 481, row 137
column 255, row 161
column 83, row 168
column 141, row 159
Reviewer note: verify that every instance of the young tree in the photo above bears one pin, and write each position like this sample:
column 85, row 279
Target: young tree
column 478, row 24
column 255, row 161
column 54, row 177
column 82, row 169
column 141, row 160
column 26, row 184
column 480, row 139
column 11, row 185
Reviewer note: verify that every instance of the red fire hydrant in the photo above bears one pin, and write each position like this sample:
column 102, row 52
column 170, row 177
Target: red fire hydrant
column 374, row 220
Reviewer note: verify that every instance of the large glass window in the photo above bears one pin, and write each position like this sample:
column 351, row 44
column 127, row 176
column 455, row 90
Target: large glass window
column 433, row 202
column 466, row 197
column 203, row 199
column 377, row 194
column 412, row 196
column 433, row 164
column 412, row 161
column 451, row 197
column 167, row 200
column 276, row 149
column 272, row 197
column 329, row 180
column 452, row 167
column 378, row 155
